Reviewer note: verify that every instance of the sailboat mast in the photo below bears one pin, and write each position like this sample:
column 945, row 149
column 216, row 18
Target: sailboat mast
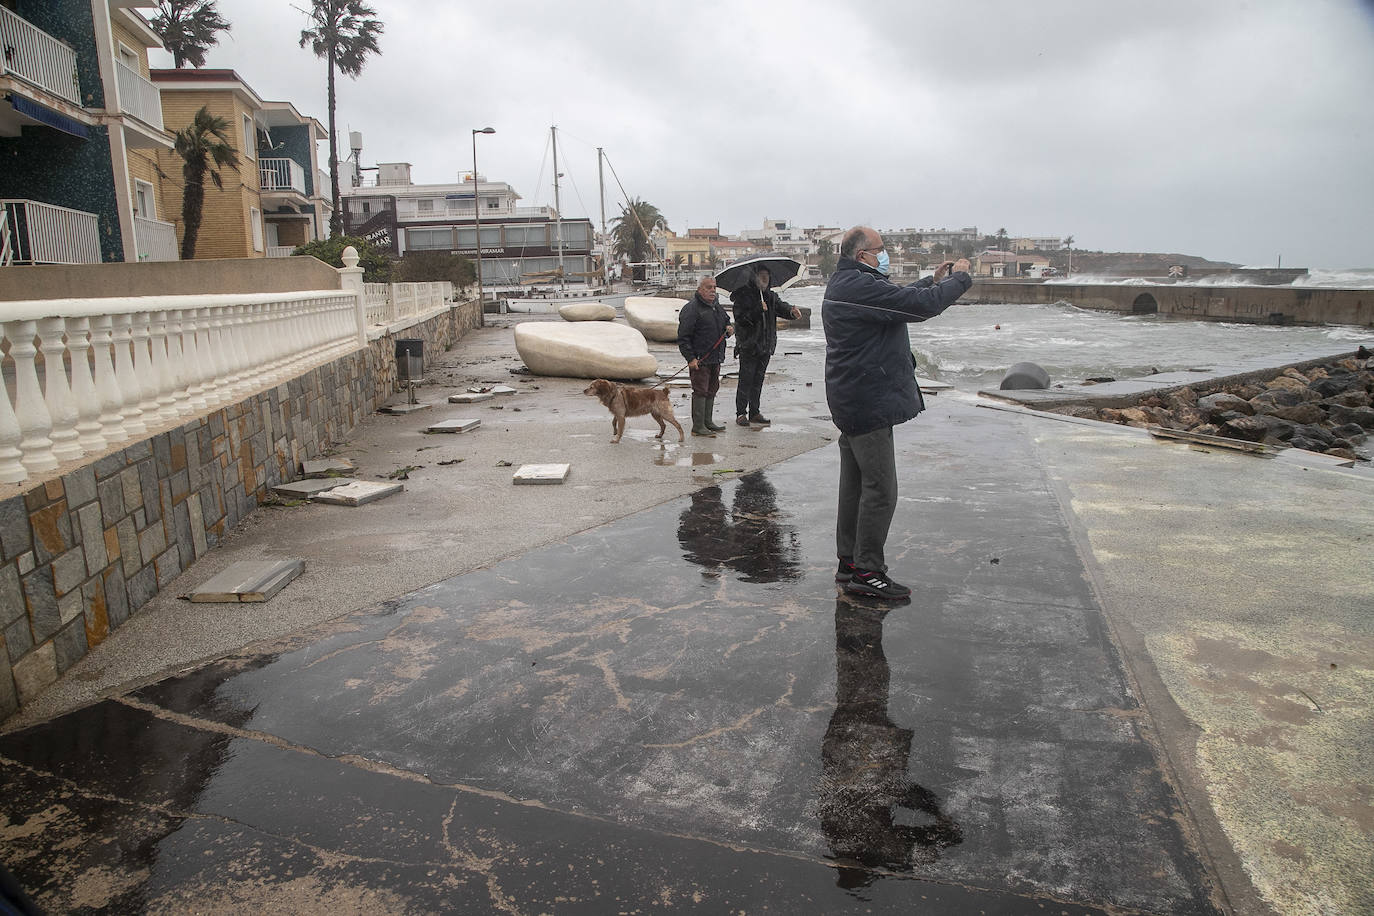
column 601, row 184
column 558, row 211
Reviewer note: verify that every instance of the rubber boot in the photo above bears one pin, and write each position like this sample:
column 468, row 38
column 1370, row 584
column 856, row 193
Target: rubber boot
column 699, row 418
column 711, row 423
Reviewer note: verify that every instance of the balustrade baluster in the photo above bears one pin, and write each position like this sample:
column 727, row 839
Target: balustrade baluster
column 193, row 361
column 57, row 391
column 210, row 358
column 131, row 358
column 176, row 364
column 234, row 334
column 107, row 391
column 83, row 386
column 162, row 373
column 11, row 465
column 30, row 410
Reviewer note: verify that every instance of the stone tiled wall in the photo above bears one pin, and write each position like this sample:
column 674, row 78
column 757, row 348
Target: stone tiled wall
column 82, row 552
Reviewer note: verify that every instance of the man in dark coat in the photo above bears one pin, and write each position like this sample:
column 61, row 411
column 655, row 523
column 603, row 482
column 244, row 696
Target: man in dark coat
column 870, row 385
column 757, row 309
column 702, row 326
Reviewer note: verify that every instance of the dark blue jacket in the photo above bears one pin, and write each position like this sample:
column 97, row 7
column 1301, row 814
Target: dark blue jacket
column 701, row 330
column 870, row 374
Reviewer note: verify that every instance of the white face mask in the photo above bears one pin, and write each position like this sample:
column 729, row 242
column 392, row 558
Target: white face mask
column 884, row 265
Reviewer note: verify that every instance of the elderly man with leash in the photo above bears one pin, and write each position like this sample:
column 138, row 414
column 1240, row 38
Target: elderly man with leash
column 870, row 385
column 702, row 326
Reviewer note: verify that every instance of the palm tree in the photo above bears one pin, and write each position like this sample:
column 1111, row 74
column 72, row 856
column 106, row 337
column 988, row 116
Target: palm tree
column 1068, row 243
column 187, row 29
column 630, row 230
column 344, row 34
column 204, row 141
column 1001, row 240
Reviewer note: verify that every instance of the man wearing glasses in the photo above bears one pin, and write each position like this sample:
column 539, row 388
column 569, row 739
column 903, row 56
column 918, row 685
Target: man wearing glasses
column 870, row 385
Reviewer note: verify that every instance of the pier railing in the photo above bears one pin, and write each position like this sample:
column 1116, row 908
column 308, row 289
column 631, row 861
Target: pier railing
column 84, row 374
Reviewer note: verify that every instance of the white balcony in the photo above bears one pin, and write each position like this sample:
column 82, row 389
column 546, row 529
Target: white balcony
column 280, row 251
column 281, row 175
column 156, row 240
column 46, row 234
column 36, row 57
column 138, row 97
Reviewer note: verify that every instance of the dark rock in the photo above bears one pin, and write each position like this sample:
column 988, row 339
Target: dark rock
column 1183, row 397
column 1314, row 433
column 1246, row 392
column 1354, row 432
column 1259, row 428
column 1207, row 429
column 1364, row 416
column 1352, row 398
column 1188, row 417
column 1342, row 453
column 1226, row 416
column 1336, row 384
column 1302, row 413
column 1307, row 445
column 1281, row 397
column 1214, row 404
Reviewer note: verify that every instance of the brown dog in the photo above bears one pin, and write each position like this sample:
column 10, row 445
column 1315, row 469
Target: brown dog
column 629, row 401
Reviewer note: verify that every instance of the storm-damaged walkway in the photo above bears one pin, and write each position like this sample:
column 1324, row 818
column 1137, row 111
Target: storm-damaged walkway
column 678, row 711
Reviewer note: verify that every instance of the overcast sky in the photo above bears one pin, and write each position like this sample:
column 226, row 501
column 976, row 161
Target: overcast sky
column 1237, row 131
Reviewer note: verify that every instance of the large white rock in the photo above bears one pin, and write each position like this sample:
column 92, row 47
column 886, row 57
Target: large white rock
column 587, row 349
column 654, row 317
column 587, row 311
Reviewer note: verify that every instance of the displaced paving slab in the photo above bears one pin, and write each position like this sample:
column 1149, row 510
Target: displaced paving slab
column 326, row 467
column 453, row 426
column 248, row 581
column 403, row 408
column 304, row 489
column 470, row 397
column 358, row 492
column 541, row 473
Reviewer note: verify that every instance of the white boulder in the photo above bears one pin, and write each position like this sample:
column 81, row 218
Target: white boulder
column 654, row 317
column 587, row 349
column 587, row 311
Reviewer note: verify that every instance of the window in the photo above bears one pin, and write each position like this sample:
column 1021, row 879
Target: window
column 526, row 237
column 493, row 203
column 429, row 239
column 255, row 217
column 128, row 57
column 143, row 200
column 425, row 205
column 577, row 235
column 249, row 146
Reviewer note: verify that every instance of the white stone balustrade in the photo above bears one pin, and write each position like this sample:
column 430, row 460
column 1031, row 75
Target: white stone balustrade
column 388, row 303
column 120, row 369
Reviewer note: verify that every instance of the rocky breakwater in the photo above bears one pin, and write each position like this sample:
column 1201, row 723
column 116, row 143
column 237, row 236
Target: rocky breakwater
column 1328, row 409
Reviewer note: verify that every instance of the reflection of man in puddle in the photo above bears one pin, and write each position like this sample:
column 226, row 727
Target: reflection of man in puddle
column 752, row 541
column 873, row 816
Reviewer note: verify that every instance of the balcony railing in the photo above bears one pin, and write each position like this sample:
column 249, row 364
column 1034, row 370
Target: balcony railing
column 6, row 253
column 156, row 240
column 121, row 368
column 462, row 210
column 36, row 57
column 137, row 96
column 281, row 175
column 280, row 251
column 46, row 234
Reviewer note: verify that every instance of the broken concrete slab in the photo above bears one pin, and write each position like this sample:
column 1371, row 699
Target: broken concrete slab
column 322, row 467
column 470, row 397
column 502, row 389
column 403, row 408
column 248, row 580
column 541, row 473
column 453, row 426
column 358, row 492
column 304, row 489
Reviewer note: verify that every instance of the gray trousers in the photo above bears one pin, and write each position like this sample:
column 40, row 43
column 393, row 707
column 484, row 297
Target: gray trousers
column 868, row 497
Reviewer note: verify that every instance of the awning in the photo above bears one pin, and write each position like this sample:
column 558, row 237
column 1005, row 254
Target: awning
column 53, row 119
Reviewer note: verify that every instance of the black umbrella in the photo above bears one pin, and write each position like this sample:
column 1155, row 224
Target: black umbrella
column 781, row 268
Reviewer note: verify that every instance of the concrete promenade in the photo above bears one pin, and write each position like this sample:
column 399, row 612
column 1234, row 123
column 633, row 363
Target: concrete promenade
column 1134, row 676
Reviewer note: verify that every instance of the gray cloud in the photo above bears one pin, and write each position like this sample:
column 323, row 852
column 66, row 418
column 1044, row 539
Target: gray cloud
column 1233, row 130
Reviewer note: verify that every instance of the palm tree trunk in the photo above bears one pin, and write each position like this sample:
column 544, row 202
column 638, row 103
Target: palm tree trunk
column 192, row 208
column 335, row 217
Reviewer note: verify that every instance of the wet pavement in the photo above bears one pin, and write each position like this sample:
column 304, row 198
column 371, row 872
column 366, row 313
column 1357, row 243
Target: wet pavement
column 677, row 710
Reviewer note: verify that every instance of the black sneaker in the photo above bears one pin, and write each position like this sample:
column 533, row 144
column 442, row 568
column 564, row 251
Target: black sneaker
column 875, row 585
column 742, row 420
column 759, row 419
column 845, row 571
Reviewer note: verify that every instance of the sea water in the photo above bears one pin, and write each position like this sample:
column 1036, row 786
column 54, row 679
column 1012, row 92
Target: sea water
column 972, row 346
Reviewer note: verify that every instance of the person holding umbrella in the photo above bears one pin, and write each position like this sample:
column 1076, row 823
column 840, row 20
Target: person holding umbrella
column 757, row 309
column 702, row 326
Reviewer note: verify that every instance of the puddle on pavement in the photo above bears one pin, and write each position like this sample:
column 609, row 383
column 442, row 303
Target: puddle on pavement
column 693, row 460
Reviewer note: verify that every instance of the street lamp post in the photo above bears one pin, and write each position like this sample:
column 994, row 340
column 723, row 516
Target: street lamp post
column 477, row 221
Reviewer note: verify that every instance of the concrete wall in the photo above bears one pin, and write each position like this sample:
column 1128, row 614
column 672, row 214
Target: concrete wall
column 1253, row 304
column 165, row 278
column 83, row 549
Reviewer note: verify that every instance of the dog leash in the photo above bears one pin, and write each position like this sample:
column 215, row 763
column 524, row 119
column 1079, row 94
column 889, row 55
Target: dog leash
column 679, row 372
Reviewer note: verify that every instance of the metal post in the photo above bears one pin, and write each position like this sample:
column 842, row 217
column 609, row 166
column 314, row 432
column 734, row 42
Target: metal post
column 477, row 222
column 558, row 213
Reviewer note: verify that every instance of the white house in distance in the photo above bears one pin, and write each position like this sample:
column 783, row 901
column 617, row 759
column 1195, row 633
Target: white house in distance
column 519, row 244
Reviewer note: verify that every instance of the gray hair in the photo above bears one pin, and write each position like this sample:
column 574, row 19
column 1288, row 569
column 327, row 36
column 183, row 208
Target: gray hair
column 854, row 240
